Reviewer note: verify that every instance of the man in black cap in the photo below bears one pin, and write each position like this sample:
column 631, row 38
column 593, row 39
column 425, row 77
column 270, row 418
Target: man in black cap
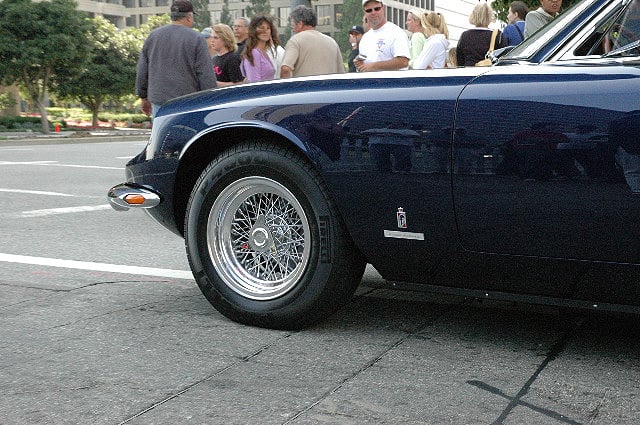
column 174, row 61
column 355, row 34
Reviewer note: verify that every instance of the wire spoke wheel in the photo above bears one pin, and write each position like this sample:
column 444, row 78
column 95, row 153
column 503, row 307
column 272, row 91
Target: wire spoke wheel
column 258, row 238
column 264, row 240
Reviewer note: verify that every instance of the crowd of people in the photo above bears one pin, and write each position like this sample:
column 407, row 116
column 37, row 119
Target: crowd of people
column 175, row 60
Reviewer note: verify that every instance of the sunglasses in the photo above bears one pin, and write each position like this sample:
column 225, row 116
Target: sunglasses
column 377, row 9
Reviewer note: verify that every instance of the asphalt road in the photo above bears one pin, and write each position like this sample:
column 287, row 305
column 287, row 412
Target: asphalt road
column 101, row 323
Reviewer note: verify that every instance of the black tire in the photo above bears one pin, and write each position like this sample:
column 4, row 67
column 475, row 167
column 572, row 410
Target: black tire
column 264, row 240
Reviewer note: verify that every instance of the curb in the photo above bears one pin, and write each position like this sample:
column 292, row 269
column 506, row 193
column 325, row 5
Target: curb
column 53, row 140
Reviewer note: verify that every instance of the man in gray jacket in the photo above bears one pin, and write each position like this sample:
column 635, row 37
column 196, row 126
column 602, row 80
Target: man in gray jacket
column 174, row 61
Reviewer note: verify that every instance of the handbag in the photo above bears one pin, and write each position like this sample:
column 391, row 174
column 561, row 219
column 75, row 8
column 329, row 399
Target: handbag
column 486, row 61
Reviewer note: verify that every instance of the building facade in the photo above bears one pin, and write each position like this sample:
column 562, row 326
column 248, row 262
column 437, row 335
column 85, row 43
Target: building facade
column 133, row 13
column 456, row 12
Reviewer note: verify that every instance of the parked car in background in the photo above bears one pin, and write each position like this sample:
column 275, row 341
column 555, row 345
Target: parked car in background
column 519, row 181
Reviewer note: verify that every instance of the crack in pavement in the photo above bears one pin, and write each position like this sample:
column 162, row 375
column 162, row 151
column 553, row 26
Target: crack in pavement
column 80, row 287
column 244, row 359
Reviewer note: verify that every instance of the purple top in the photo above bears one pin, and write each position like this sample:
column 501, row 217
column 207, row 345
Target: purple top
column 262, row 68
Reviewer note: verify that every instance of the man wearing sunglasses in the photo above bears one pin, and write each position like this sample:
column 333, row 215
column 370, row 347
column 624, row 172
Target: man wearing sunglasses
column 385, row 46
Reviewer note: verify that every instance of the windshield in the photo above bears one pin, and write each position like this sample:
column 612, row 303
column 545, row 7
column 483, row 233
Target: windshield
column 531, row 45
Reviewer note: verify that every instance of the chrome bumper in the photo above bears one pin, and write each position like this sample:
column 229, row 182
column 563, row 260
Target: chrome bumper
column 127, row 195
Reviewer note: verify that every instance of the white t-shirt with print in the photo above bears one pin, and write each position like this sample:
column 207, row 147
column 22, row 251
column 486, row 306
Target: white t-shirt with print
column 387, row 42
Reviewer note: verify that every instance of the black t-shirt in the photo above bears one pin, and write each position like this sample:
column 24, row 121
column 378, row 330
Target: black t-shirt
column 227, row 68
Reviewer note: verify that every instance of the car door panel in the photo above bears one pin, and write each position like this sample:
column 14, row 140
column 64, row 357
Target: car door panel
column 540, row 171
column 391, row 179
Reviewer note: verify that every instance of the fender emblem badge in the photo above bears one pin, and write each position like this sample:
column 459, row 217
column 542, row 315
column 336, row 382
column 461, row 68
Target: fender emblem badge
column 402, row 218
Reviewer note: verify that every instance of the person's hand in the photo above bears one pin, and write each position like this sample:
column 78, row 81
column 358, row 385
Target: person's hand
column 363, row 67
column 146, row 107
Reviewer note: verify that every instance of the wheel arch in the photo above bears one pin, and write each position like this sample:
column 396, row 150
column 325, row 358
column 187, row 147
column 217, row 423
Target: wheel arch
column 202, row 149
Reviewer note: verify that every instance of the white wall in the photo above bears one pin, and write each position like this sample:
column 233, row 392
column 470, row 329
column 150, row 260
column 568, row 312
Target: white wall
column 456, row 13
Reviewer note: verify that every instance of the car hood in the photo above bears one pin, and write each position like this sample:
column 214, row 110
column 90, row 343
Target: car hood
column 285, row 91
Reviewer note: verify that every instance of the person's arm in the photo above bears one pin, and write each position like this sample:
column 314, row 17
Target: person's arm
column 249, row 71
column 340, row 69
column 204, row 67
column 290, row 58
column 142, row 78
column 285, row 72
column 426, row 57
column 392, row 64
column 146, row 106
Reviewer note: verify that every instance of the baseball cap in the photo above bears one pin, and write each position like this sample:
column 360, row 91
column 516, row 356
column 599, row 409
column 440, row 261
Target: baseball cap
column 206, row 33
column 367, row 1
column 356, row 28
column 182, row 6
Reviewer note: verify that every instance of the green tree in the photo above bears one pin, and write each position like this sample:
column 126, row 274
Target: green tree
column 6, row 100
column 501, row 7
column 351, row 15
column 225, row 15
column 141, row 33
column 109, row 72
column 203, row 17
column 258, row 7
column 38, row 42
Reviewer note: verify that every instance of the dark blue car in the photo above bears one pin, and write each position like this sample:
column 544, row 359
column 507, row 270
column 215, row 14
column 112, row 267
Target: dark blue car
column 518, row 181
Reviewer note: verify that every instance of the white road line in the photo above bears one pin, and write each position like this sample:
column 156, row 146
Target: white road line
column 102, row 267
column 56, row 164
column 65, row 210
column 85, row 166
column 35, row 192
column 17, row 149
column 27, row 163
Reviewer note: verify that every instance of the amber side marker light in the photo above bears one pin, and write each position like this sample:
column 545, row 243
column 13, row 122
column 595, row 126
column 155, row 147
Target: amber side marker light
column 134, row 199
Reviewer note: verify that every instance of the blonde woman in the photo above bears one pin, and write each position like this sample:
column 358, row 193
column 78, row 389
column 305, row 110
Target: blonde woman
column 474, row 43
column 226, row 63
column 434, row 51
column 414, row 26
